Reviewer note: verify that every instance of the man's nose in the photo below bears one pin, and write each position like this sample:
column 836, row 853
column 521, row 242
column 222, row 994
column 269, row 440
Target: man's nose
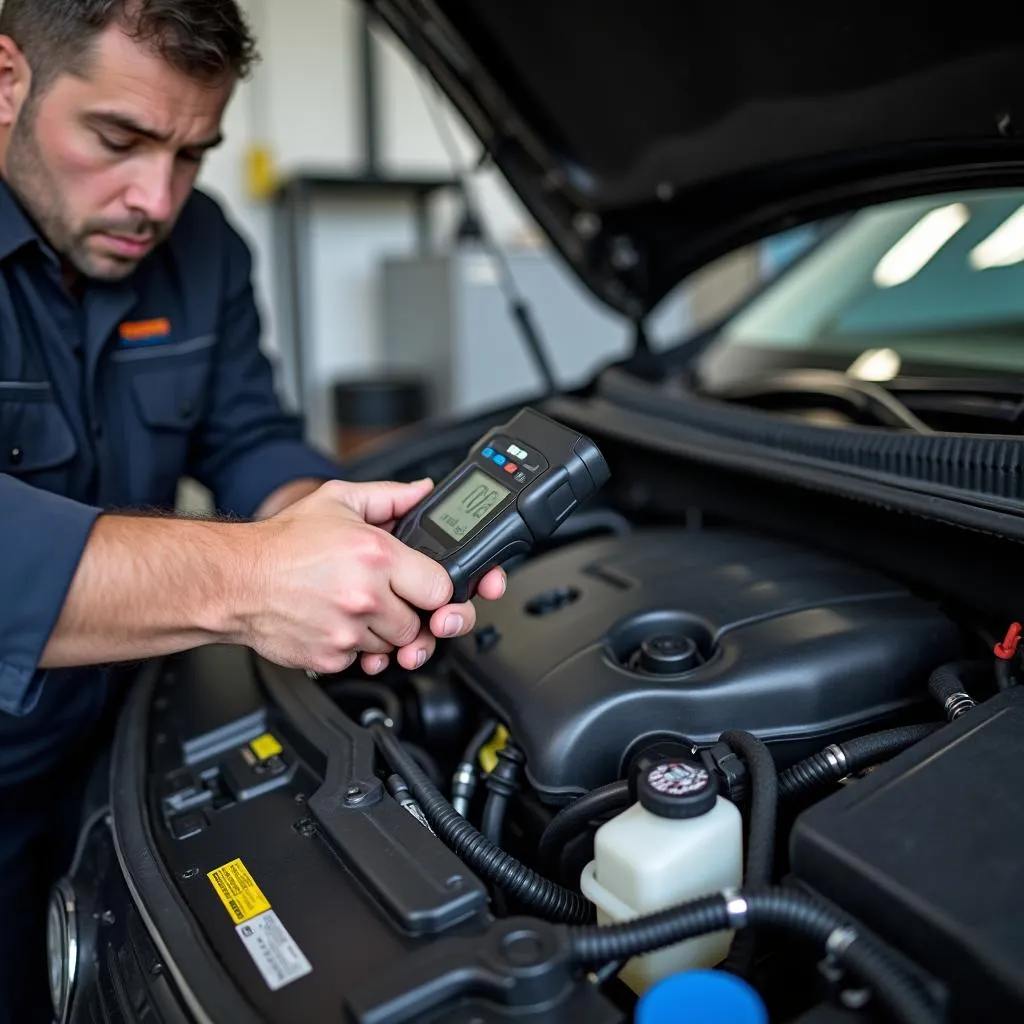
column 151, row 191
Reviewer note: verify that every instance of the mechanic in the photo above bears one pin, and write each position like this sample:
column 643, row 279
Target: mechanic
column 129, row 358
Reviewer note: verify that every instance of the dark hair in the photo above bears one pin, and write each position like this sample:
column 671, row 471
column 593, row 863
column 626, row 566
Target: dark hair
column 206, row 39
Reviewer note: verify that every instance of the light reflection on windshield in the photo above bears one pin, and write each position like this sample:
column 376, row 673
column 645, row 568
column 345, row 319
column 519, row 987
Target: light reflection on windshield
column 938, row 280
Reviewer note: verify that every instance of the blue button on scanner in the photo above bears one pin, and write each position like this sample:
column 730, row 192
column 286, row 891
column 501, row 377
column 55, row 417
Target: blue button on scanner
column 500, row 460
column 488, row 453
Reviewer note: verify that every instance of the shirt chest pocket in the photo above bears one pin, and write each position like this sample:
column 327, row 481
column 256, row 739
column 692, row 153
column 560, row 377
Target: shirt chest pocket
column 166, row 400
column 36, row 442
column 171, row 399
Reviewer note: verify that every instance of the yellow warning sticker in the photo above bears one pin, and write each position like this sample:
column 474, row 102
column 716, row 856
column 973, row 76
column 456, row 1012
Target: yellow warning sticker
column 238, row 891
column 266, row 746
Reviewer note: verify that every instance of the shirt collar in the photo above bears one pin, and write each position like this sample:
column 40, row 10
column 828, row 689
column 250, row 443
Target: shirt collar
column 16, row 229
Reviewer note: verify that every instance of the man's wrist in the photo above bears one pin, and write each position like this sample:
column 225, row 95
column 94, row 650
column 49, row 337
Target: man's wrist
column 239, row 590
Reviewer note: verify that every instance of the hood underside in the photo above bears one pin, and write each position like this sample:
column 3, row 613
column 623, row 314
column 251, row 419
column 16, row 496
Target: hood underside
column 648, row 137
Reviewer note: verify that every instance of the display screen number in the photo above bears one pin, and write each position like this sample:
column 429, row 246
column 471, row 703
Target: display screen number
column 462, row 510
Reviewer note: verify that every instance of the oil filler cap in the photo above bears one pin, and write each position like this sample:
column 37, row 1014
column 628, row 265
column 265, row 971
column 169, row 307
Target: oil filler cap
column 677, row 789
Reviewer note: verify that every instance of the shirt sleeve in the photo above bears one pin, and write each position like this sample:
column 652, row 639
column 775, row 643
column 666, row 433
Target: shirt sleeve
column 247, row 445
column 42, row 537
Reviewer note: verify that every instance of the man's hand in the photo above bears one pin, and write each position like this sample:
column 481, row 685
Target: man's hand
column 330, row 583
column 287, row 495
column 312, row 587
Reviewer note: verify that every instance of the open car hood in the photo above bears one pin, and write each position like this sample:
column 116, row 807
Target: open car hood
column 649, row 136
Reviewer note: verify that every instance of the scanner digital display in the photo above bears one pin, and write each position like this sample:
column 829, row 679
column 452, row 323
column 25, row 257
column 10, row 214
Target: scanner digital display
column 469, row 503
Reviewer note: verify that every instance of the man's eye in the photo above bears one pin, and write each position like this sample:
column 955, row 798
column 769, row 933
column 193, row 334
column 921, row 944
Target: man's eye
column 115, row 146
column 191, row 156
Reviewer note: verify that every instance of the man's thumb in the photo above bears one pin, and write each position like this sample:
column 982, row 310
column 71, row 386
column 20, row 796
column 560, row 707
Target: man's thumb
column 385, row 500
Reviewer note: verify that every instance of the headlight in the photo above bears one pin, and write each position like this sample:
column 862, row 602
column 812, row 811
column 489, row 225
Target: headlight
column 62, row 947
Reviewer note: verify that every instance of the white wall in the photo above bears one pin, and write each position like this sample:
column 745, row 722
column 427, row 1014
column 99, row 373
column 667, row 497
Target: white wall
column 304, row 102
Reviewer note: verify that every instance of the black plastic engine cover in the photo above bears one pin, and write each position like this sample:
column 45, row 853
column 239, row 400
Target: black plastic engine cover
column 789, row 643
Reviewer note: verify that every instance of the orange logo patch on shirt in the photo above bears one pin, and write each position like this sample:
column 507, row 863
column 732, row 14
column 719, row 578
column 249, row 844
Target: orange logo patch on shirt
column 137, row 332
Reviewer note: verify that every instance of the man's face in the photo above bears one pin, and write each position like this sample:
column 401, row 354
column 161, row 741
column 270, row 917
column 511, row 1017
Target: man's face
column 104, row 164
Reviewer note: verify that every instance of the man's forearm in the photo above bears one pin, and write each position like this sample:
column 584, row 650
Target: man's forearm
column 147, row 587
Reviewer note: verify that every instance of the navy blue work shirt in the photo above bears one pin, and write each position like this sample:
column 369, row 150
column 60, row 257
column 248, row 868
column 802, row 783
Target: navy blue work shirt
column 107, row 399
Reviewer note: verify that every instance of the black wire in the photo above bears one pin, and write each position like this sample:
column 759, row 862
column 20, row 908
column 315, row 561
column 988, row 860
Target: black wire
column 479, row 853
column 572, row 819
column 774, row 908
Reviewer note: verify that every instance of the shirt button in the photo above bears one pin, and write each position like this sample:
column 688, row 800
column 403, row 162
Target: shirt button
column 185, row 408
column 15, row 456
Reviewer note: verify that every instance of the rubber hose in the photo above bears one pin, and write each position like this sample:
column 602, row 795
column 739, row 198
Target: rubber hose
column 822, row 770
column 774, row 908
column 480, row 737
column 480, row 854
column 864, row 751
column 1005, row 675
column 764, row 801
column 946, row 686
column 426, row 762
column 760, row 853
column 493, row 821
column 375, row 693
column 572, row 819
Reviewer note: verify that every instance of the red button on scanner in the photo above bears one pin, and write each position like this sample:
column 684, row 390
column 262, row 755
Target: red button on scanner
column 510, row 467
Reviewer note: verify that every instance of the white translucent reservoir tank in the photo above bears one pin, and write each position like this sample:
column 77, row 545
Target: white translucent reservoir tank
column 680, row 841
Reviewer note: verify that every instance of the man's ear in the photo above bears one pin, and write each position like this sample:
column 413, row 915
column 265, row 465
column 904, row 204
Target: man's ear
column 15, row 81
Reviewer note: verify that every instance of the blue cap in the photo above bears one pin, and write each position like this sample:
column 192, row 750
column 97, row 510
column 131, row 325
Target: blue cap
column 701, row 997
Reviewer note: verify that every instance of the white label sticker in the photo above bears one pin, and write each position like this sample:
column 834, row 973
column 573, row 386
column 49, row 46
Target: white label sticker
column 273, row 950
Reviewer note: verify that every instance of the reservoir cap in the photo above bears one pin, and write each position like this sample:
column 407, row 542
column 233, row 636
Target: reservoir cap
column 701, row 997
column 677, row 789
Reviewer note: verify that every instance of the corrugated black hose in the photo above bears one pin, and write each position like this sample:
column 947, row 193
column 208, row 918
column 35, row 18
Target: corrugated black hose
column 760, row 908
column 543, row 896
column 572, row 819
column 819, row 772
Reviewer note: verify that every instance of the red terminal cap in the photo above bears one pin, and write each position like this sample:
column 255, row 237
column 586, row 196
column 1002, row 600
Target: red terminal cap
column 1008, row 648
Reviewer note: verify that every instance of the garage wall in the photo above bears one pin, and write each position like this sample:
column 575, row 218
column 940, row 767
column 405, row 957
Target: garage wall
column 304, row 103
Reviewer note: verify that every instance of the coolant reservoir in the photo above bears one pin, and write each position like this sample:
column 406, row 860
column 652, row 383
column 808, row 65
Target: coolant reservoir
column 680, row 841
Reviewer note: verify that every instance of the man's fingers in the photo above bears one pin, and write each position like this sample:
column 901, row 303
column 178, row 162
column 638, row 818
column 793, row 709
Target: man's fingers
column 492, row 586
column 418, row 580
column 416, row 654
column 453, row 620
column 373, row 664
column 396, row 623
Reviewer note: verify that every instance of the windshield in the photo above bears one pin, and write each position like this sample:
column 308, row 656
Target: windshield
column 933, row 285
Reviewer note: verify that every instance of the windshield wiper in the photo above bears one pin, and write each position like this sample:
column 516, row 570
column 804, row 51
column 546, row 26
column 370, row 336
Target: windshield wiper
column 992, row 402
column 864, row 401
column 924, row 405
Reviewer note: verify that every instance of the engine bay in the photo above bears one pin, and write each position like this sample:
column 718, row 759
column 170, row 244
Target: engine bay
column 673, row 634
column 505, row 834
